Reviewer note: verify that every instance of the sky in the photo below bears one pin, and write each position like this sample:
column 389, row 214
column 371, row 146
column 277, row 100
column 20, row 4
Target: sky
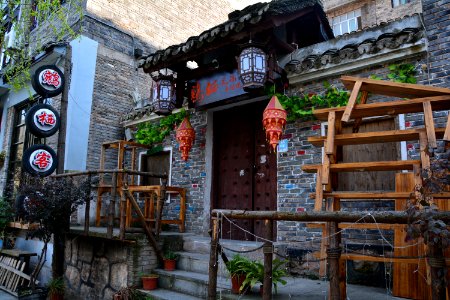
column 240, row 4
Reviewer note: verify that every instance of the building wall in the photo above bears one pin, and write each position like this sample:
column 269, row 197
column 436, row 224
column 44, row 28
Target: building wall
column 161, row 23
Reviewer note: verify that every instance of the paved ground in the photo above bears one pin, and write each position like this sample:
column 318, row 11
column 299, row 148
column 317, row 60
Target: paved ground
column 6, row 296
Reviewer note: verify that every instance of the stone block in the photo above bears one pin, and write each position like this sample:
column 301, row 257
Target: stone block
column 119, row 275
column 73, row 276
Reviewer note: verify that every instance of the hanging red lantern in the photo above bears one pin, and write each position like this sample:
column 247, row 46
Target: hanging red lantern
column 274, row 120
column 185, row 136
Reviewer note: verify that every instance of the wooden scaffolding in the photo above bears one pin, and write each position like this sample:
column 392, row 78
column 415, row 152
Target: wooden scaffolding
column 422, row 99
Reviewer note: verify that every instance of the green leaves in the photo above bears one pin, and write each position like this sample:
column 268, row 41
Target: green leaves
column 152, row 133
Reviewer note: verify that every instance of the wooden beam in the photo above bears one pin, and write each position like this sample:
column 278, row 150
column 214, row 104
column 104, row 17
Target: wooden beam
column 429, row 124
column 351, row 101
column 213, row 260
column 359, row 226
column 388, row 217
column 373, row 137
column 358, row 121
column 394, row 89
column 366, row 166
column 329, row 146
column 447, row 130
column 319, row 190
column 326, row 169
column 388, row 108
column 378, row 195
column 424, row 153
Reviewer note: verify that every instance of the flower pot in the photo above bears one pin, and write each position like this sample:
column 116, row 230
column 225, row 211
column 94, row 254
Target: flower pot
column 150, row 282
column 236, row 282
column 169, row 264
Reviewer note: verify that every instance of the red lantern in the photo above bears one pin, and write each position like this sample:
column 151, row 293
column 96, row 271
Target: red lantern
column 185, row 136
column 274, row 120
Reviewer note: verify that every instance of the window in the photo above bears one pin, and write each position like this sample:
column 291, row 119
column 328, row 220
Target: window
column 21, row 140
column 346, row 23
column 8, row 38
column 396, row 3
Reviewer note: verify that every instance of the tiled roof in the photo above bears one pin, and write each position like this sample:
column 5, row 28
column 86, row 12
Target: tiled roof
column 351, row 46
column 237, row 22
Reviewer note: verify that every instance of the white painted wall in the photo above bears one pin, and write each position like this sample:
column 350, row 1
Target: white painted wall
column 84, row 58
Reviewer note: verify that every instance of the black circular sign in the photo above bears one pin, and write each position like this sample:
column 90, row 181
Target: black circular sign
column 48, row 81
column 39, row 160
column 42, row 120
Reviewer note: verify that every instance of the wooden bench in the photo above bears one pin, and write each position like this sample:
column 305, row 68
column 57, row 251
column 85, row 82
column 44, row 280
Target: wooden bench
column 12, row 275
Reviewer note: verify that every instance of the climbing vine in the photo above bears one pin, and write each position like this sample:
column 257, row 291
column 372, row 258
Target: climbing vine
column 301, row 107
column 41, row 21
column 150, row 133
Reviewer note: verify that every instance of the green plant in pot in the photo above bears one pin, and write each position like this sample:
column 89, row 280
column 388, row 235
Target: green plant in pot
column 170, row 260
column 238, row 267
column 255, row 274
column 56, row 288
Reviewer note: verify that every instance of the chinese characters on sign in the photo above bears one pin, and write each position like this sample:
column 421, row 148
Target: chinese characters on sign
column 42, row 159
column 51, row 77
column 218, row 87
column 45, row 118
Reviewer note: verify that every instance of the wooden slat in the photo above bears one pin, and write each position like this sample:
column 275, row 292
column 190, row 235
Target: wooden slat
column 429, row 124
column 373, row 137
column 447, row 130
column 326, row 169
column 388, row 108
column 319, row 190
column 351, row 101
column 377, row 195
column 329, row 146
column 366, row 166
column 358, row 121
column 382, row 259
column 394, row 89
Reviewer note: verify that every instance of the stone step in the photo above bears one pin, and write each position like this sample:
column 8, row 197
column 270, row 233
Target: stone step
column 198, row 263
column 163, row 294
column 190, row 283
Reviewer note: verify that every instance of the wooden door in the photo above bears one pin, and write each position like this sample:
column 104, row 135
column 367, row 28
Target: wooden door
column 244, row 170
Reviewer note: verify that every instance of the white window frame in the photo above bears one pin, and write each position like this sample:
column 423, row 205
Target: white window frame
column 396, row 3
column 347, row 22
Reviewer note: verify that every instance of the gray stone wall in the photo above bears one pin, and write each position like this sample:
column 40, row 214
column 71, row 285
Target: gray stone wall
column 97, row 268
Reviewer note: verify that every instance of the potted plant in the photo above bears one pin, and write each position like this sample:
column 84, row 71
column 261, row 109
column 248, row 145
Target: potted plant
column 255, row 274
column 56, row 288
column 238, row 267
column 170, row 260
column 149, row 281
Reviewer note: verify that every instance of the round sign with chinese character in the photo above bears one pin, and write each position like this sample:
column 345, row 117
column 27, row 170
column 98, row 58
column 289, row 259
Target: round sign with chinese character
column 48, row 81
column 39, row 160
column 42, row 120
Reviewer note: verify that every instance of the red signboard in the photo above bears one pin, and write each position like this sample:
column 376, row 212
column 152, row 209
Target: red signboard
column 217, row 87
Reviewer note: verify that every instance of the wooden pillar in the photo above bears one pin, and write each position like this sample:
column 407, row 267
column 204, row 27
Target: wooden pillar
column 333, row 256
column 268, row 257
column 213, row 261
column 87, row 208
column 112, row 206
column 159, row 206
column 122, row 215
column 438, row 270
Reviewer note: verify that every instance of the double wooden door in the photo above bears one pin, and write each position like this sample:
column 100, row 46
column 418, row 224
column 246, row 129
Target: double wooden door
column 245, row 169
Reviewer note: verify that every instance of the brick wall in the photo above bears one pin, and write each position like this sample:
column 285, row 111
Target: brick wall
column 161, row 23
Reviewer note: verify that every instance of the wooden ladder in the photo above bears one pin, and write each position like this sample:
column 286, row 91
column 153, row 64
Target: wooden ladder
column 425, row 99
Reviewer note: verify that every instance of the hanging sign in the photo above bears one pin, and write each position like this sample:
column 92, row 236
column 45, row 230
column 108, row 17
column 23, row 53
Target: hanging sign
column 48, row 81
column 39, row 160
column 42, row 120
column 215, row 88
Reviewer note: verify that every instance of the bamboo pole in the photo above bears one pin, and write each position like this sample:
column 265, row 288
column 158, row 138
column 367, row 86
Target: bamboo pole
column 141, row 218
column 213, row 261
column 112, row 207
column 268, row 258
column 388, row 217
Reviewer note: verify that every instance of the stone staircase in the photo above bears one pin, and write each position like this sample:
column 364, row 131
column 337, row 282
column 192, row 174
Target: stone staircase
column 190, row 280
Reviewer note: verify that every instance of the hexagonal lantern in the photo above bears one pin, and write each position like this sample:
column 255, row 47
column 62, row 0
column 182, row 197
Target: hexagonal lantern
column 252, row 66
column 163, row 89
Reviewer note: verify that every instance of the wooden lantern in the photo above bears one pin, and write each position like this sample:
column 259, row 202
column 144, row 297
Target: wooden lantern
column 252, row 66
column 274, row 120
column 185, row 136
column 163, row 88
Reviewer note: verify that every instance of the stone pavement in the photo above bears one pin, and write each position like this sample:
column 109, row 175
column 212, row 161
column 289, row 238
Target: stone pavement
column 6, row 296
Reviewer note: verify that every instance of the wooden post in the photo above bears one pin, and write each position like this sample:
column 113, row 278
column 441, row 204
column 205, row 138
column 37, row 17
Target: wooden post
column 213, row 261
column 141, row 218
column 333, row 255
column 122, row 215
column 268, row 257
column 438, row 270
column 159, row 207
column 112, row 206
column 87, row 208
